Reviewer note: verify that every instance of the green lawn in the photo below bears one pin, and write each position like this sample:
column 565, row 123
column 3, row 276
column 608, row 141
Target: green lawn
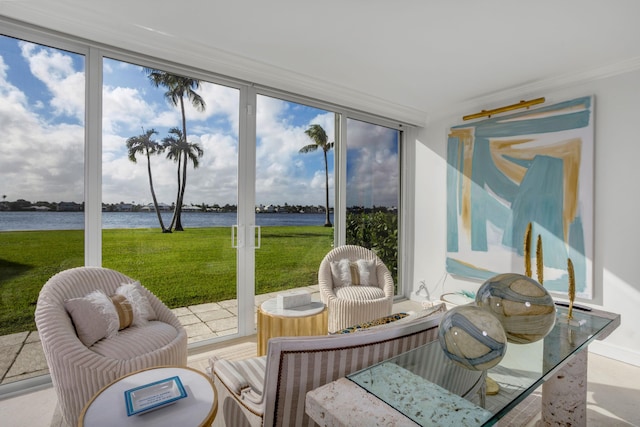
column 181, row 268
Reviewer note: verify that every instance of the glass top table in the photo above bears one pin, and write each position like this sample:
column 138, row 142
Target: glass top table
column 424, row 385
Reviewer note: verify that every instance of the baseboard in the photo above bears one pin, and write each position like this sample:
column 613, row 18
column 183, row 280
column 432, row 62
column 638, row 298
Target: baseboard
column 615, row 352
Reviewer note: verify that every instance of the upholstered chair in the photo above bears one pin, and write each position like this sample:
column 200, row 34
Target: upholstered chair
column 355, row 285
column 270, row 391
column 67, row 325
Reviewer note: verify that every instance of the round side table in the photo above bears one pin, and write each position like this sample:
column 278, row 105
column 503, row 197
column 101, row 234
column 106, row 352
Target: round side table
column 107, row 408
column 306, row 320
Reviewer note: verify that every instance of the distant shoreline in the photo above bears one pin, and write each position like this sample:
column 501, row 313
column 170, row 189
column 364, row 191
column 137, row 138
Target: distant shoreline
column 42, row 221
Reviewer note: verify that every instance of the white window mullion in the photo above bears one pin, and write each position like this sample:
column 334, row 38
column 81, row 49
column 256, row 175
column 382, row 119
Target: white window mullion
column 340, row 181
column 406, row 219
column 246, row 211
column 93, row 159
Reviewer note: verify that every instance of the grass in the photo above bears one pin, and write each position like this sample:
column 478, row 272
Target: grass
column 191, row 267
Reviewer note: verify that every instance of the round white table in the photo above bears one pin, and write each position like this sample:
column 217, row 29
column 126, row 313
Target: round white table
column 107, row 408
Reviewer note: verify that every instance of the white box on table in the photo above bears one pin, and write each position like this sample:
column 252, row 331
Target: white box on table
column 292, row 299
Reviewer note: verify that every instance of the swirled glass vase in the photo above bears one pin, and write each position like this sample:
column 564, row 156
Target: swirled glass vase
column 472, row 337
column 523, row 306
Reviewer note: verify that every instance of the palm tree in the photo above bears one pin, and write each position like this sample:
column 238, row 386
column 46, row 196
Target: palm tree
column 319, row 137
column 179, row 87
column 181, row 151
column 145, row 144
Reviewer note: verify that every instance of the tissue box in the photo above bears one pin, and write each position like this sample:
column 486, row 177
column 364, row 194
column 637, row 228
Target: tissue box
column 293, row 299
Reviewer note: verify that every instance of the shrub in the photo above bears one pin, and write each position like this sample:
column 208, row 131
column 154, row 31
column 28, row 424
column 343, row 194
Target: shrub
column 377, row 231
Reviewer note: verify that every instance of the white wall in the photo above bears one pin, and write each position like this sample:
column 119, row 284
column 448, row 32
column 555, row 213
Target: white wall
column 617, row 204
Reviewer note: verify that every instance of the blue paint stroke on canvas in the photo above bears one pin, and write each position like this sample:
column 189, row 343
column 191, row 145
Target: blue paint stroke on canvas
column 506, row 172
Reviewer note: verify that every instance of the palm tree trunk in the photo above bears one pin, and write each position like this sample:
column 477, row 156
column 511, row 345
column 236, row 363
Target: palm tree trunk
column 153, row 194
column 175, row 209
column 327, row 221
column 181, row 195
column 184, row 169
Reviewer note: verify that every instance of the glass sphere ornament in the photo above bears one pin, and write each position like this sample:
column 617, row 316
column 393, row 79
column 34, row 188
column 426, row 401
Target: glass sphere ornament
column 472, row 337
column 523, row 306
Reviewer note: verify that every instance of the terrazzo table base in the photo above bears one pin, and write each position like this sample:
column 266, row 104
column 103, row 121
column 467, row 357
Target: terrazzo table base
column 564, row 395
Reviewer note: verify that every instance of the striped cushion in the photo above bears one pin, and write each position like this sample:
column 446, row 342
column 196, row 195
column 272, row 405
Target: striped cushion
column 241, row 374
column 136, row 341
column 359, row 293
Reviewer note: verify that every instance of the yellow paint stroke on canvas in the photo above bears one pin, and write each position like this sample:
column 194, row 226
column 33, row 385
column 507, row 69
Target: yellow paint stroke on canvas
column 466, row 138
column 568, row 151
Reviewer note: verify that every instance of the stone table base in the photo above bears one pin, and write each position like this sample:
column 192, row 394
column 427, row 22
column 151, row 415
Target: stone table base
column 564, row 395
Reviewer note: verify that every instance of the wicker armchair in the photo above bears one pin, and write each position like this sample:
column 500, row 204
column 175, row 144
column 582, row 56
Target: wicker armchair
column 350, row 304
column 78, row 371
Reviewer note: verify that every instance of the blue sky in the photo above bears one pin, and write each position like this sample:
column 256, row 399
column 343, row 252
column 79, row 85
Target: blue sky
column 41, row 152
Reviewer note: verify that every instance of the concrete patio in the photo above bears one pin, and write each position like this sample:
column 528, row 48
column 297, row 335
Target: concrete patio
column 21, row 355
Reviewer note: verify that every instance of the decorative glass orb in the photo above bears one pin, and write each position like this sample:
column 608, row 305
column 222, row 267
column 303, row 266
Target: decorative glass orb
column 524, row 307
column 472, row 337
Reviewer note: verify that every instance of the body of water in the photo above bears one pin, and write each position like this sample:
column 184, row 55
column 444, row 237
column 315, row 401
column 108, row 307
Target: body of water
column 20, row 221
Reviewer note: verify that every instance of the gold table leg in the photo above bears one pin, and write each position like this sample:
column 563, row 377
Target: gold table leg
column 271, row 326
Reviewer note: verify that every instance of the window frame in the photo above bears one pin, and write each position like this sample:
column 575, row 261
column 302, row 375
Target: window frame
column 94, row 53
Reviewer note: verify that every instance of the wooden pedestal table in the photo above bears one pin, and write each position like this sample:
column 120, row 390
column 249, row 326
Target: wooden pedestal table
column 306, row 320
column 107, row 408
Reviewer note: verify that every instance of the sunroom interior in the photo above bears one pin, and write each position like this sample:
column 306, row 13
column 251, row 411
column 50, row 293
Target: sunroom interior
column 401, row 75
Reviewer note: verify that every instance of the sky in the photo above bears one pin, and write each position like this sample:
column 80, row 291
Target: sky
column 42, row 107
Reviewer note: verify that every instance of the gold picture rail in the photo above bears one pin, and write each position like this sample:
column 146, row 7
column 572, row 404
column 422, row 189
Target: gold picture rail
column 489, row 113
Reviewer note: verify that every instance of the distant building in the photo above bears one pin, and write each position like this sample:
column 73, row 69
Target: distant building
column 162, row 207
column 69, row 207
column 267, row 209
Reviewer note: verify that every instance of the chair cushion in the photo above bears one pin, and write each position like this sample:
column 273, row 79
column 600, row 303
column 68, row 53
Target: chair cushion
column 240, row 374
column 359, row 293
column 136, row 341
column 345, row 272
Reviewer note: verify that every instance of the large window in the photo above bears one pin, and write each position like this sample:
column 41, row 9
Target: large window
column 294, row 192
column 42, row 110
column 159, row 175
column 169, row 190
column 373, row 189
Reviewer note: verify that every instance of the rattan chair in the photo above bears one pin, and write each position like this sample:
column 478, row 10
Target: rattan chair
column 78, row 371
column 350, row 304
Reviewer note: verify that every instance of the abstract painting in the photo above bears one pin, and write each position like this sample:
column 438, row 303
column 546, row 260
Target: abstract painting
column 534, row 167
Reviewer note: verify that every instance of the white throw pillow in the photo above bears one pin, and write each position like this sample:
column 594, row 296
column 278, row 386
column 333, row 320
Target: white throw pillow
column 359, row 272
column 97, row 315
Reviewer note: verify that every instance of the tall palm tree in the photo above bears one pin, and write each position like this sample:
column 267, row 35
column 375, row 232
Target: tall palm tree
column 320, row 140
column 145, row 144
column 181, row 151
column 179, row 87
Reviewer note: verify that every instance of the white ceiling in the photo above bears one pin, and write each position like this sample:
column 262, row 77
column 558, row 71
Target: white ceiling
column 418, row 56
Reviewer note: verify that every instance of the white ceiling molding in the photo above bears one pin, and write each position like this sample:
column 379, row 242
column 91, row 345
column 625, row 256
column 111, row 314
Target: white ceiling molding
column 431, row 59
column 537, row 88
column 196, row 54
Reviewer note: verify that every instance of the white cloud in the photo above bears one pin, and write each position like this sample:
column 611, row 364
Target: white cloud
column 373, row 178
column 55, row 70
column 53, row 168
column 39, row 160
